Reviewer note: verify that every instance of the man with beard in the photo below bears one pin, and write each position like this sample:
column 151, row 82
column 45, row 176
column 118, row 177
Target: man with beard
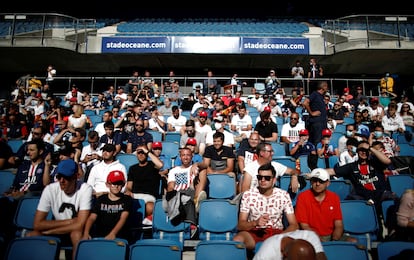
column 190, row 132
column 266, row 128
column 139, row 137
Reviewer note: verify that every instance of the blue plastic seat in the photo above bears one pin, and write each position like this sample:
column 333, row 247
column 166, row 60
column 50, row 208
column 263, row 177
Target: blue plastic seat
column 360, row 221
column 284, row 184
column 153, row 249
column 34, row 248
column 395, row 250
column 101, row 248
column 127, row 160
column 220, row 250
column 400, row 183
column 162, row 228
column 221, row 186
column 341, row 187
column 218, row 220
column 6, row 181
column 340, row 250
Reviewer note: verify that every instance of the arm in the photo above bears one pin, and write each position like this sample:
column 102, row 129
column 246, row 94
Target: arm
column 46, row 171
column 129, row 148
column 244, row 225
column 121, row 222
column 380, row 155
column 128, row 190
column 50, row 227
column 247, row 180
column 293, row 223
column 88, row 225
column 338, row 230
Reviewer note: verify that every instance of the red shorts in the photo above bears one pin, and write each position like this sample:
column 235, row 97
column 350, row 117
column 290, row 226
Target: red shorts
column 260, row 234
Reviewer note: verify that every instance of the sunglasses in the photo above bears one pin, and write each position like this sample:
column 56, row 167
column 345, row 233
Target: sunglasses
column 317, row 180
column 117, row 183
column 365, row 150
column 158, row 148
column 139, row 125
column 261, row 177
column 294, row 118
column 140, row 152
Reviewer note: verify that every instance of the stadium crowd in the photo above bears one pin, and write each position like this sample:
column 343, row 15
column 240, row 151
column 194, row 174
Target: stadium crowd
column 77, row 144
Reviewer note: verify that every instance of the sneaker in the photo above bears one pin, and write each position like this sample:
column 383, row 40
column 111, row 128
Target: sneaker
column 202, row 196
column 193, row 231
column 147, row 221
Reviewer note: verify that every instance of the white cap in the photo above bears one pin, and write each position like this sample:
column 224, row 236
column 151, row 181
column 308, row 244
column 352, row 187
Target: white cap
column 320, row 174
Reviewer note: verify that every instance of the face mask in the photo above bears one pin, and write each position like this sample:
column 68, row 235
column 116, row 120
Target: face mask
column 349, row 133
column 378, row 134
column 217, row 126
column 354, row 149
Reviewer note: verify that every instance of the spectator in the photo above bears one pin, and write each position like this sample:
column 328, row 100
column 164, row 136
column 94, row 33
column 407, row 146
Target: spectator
column 326, row 148
column 315, row 71
column 144, row 180
column 319, row 209
column 219, row 125
column 266, row 128
column 298, row 244
column 99, row 172
column 219, row 158
column 241, row 123
column 350, row 155
column 246, row 153
column 264, row 153
column 91, row 154
column 110, row 212
column 210, row 84
column 70, row 202
column 166, row 108
column 316, row 108
column 304, row 148
column 106, row 117
column 290, row 131
column 196, row 158
column 189, row 131
column 112, row 137
column 272, row 83
column 185, row 189
column 139, row 137
column 392, row 122
column 156, row 122
column 166, row 161
column 262, row 210
column 176, row 121
column 390, row 145
column 298, row 73
column 78, row 119
column 202, row 125
column 405, row 217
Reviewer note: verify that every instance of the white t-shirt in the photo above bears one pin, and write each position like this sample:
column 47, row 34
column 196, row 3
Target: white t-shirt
column 53, row 198
column 241, row 123
column 253, row 167
column 292, row 133
column 270, row 249
column 177, row 122
column 228, row 138
column 182, row 178
column 152, row 123
column 99, row 173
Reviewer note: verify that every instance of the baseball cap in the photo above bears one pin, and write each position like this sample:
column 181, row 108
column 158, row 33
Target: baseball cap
column 192, row 141
column 67, row 168
column 303, row 132
column 326, row 132
column 218, row 119
column 364, row 132
column 108, row 148
column 267, row 108
column 156, row 145
column 115, row 176
column 131, row 103
column 320, row 174
column 202, row 114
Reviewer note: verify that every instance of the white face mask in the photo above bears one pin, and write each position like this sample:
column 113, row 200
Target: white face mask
column 217, row 126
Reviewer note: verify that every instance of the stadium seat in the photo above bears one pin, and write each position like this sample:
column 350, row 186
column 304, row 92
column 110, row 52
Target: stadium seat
column 34, row 248
column 162, row 228
column 135, row 219
column 284, row 184
column 287, row 161
column 218, row 219
column 360, row 221
column 395, row 250
column 220, row 250
column 400, row 183
column 15, row 144
column 156, row 135
column 341, row 187
column 340, row 250
column 6, row 181
column 260, row 87
column 406, row 149
column 101, row 248
column 172, row 137
column 221, row 186
column 127, row 160
column 153, row 249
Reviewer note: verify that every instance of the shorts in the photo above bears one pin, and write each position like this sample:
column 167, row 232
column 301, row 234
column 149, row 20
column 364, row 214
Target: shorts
column 260, row 234
column 145, row 197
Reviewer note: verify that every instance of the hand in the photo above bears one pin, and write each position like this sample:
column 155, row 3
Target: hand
column 170, row 194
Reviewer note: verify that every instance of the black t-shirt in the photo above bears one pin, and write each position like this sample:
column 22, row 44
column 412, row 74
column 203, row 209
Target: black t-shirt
column 267, row 130
column 145, row 179
column 109, row 212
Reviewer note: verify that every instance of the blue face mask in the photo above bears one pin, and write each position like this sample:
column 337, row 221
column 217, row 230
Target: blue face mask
column 354, row 149
column 378, row 134
column 349, row 133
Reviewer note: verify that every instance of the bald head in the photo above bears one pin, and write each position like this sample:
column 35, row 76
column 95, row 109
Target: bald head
column 298, row 249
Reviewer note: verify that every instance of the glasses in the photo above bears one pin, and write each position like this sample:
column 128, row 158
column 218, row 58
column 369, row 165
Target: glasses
column 261, row 177
column 139, row 125
column 117, row 184
column 97, row 142
column 270, row 151
column 60, row 176
column 318, row 180
column 358, row 116
column 36, row 133
column 364, row 150
column 294, row 118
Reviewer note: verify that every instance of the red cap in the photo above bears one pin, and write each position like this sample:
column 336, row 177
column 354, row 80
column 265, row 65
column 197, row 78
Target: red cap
column 156, row 145
column 304, row 132
column 115, row 176
column 346, row 90
column 267, row 108
column 326, row 132
column 202, row 114
column 192, row 141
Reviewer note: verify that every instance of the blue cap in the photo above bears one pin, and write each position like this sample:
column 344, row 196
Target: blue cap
column 364, row 132
column 67, row 168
